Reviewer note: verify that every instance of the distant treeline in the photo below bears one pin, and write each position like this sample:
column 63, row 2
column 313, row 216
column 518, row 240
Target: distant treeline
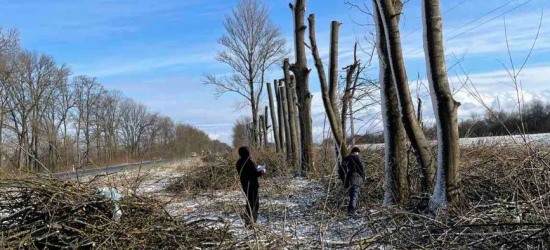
column 533, row 119
column 51, row 120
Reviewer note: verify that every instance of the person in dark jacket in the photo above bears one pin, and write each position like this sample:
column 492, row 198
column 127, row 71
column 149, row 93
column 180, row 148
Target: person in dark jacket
column 249, row 174
column 352, row 173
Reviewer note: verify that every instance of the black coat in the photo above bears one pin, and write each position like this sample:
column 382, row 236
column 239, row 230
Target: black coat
column 248, row 173
column 352, row 171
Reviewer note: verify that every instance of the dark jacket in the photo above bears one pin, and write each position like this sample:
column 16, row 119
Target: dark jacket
column 352, row 171
column 248, row 171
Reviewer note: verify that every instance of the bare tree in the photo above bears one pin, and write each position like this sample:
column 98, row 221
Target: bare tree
column 396, row 184
column 135, row 119
column 301, row 73
column 284, row 109
column 274, row 123
column 352, row 77
column 9, row 46
column 389, row 17
column 89, row 91
column 291, row 108
column 330, row 100
column 280, row 114
column 252, row 45
column 445, row 108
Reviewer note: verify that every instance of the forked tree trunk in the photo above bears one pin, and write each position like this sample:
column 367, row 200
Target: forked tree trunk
column 288, row 144
column 389, row 17
column 274, row 124
column 351, row 79
column 445, row 108
column 331, row 106
column 294, row 147
column 396, row 181
column 301, row 72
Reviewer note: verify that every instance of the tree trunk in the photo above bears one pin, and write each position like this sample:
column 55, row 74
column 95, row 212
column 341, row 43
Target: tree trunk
column 254, row 107
column 1, row 138
column 281, row 119
column 351, row 111
column 274, row 124
column 301, row 72
column 330, row 104
column 445, row 108
column 288, row 144
column 346, row 100
column 294, row 147
column 389, row 17
column 266, row 141
column 396, row 181
column 260, row 132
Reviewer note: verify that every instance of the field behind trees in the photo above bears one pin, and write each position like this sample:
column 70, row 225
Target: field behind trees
column 436, row 181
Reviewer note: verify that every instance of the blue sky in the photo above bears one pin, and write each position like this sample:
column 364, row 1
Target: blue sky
column 157, row 51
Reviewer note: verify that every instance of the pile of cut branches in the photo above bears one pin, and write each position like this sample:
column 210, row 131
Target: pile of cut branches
column 477, row 230
column 55, row 213
column 218, row 173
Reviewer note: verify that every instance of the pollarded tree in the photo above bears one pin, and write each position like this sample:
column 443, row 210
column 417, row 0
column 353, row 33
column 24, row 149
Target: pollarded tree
column 445, row 108
column 273, row 112
column 301, row 73
column 396, row 184
column 252, row 44
column 390, row 19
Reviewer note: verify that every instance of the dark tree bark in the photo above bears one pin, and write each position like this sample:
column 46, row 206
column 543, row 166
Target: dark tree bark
column 396, row 181
column 294, row 147
column 274, row 123
column 389, row 17
column 445, row 108
column 301, row 72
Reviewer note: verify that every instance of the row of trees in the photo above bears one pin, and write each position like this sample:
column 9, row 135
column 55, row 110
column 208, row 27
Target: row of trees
column 400, row 120
column 50, row 119
column 533, row 118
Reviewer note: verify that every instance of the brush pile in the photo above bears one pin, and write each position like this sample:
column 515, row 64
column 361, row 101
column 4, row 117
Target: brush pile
column 54, row 213
column 218, row 173
column 505, row 204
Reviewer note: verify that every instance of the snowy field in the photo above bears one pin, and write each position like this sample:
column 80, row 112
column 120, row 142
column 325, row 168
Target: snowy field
column 536, row 139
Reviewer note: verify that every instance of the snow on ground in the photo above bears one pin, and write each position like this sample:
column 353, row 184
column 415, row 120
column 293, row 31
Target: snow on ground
column 290, row 208
column 536, row 139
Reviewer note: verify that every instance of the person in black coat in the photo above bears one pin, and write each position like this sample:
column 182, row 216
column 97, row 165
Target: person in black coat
column 352, row 173
column 249, row 174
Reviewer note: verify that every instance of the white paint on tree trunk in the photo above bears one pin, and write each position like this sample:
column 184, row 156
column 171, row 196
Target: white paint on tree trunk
column 438, row 201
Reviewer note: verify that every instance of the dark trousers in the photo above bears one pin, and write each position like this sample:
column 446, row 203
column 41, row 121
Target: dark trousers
column 353, row 197
column 252, row 204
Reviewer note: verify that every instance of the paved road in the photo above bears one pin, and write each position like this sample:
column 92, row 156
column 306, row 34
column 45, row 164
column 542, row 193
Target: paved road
column 108, row 169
